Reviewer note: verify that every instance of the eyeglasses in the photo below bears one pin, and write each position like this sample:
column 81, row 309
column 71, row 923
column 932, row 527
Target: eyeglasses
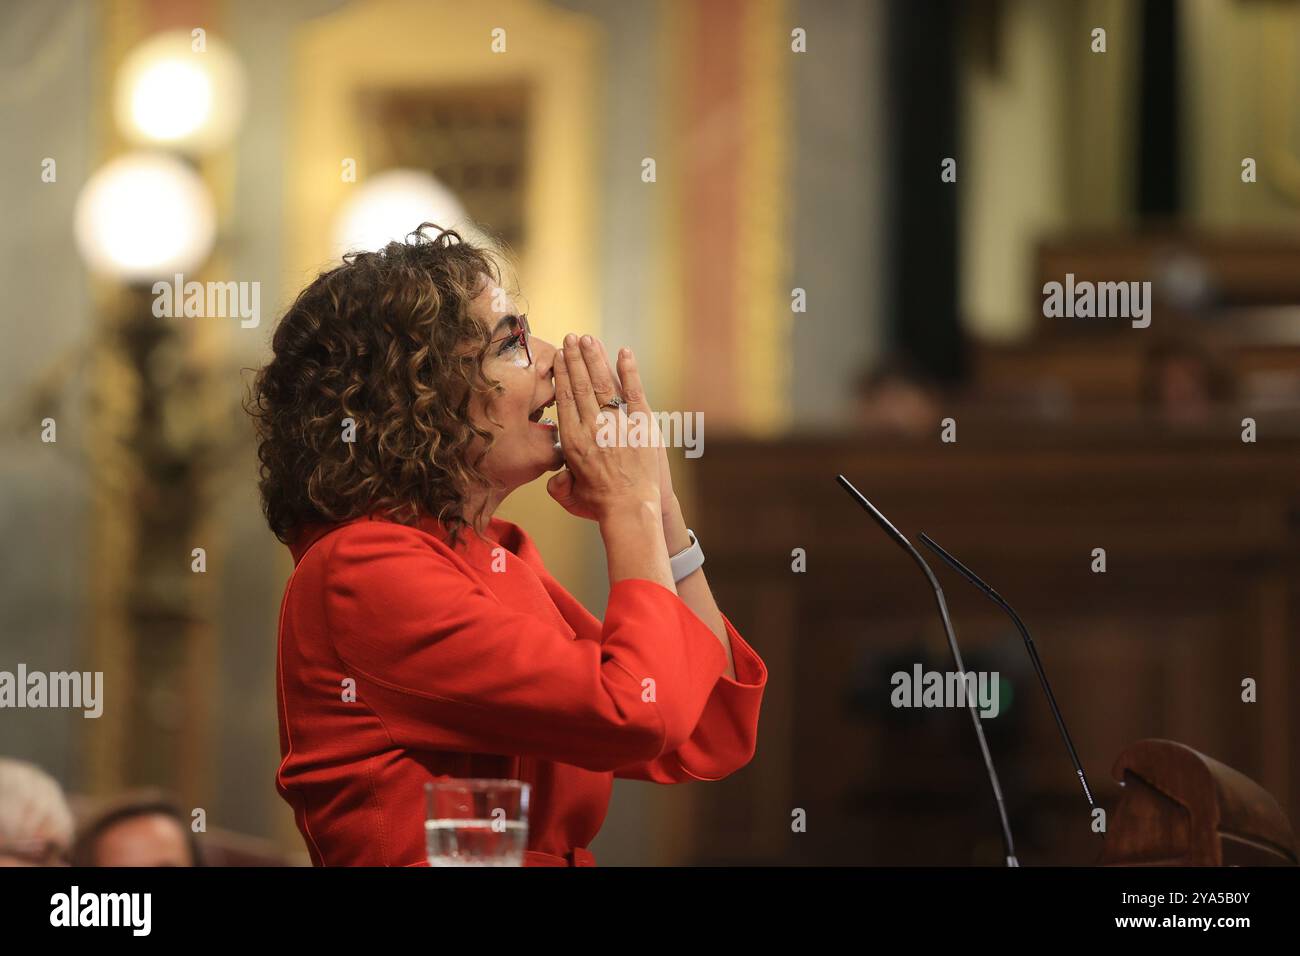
column 520, row 336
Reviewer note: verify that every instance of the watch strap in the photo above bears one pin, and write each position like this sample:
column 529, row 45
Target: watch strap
column 688, row 561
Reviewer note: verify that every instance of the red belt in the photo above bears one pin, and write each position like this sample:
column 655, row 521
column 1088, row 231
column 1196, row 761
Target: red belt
column 578, row 856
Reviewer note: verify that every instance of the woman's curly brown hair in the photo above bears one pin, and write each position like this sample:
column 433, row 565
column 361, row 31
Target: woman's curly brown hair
column 381, row 340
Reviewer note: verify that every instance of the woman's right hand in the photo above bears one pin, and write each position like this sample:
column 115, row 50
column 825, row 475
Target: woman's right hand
column 608, row 477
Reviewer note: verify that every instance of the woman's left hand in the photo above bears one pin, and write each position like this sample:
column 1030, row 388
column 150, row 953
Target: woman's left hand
column 560, row 485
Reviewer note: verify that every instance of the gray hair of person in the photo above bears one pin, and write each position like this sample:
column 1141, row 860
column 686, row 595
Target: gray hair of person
column 32, row 804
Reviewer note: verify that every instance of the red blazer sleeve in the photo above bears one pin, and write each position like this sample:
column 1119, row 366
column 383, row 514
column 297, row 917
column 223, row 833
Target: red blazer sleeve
column 726, row 736
column 447, row 666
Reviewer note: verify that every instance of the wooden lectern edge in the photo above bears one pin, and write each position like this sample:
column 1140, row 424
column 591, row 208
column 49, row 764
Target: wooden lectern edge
column 1222, row 803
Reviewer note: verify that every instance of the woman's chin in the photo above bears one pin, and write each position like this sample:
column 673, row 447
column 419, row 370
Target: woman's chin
column 554, row 462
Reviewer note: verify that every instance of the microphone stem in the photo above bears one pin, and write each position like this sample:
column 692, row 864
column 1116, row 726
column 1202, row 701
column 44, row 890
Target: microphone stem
column 901, row 540
column 975, row 721
column 1030, row 647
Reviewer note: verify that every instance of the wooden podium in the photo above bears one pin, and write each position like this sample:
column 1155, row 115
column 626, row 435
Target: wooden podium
column 1182, row 808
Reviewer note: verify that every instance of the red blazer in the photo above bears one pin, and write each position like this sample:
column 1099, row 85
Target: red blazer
column 466, row 671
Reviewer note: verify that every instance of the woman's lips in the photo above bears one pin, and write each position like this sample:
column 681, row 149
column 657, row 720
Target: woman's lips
column 537, row 413
column 547, row 424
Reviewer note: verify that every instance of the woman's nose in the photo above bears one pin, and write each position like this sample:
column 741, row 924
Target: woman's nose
column 543, row 355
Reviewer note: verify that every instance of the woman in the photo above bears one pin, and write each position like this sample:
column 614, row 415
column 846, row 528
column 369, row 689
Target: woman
column 422, row 637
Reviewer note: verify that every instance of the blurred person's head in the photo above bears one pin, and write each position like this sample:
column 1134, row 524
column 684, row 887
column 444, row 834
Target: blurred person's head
column 434, row 364
column 1182, row 381
column 895, row 396
column 144, row 830
column 36, row 824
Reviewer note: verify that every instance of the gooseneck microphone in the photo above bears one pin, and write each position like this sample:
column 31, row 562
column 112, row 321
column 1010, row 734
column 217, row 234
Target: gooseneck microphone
column 997, row 599
column 897, row 537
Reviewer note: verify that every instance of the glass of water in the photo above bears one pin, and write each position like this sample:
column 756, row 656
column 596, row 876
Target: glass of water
column 476, row 822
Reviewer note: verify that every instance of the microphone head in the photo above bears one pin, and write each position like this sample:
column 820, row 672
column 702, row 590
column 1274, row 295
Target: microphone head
column 875, row 513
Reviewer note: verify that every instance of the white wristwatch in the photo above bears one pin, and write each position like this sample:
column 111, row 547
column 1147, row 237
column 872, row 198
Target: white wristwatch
column 688, row 561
